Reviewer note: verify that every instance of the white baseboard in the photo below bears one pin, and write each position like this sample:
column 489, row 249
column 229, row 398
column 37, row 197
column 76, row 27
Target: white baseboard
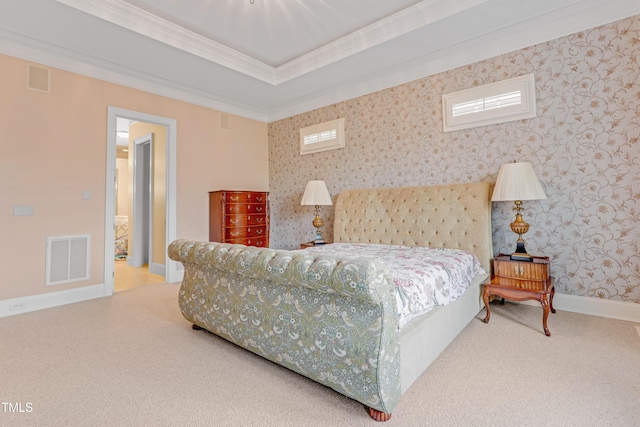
column 179, row 276
column 155, row 268
column 620, row 310
column 10, row 307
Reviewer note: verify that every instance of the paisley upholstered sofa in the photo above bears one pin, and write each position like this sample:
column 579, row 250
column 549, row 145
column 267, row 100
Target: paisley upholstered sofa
column 331, row 317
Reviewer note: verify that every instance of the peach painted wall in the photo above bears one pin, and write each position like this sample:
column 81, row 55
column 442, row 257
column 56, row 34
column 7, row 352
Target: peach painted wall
column 53, row 146
column 122, row 166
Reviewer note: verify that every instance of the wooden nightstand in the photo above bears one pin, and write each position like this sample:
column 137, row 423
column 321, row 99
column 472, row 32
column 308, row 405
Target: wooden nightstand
column 306, row 245
column 519, row 281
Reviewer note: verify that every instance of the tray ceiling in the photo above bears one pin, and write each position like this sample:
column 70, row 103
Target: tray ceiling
column 270, row 59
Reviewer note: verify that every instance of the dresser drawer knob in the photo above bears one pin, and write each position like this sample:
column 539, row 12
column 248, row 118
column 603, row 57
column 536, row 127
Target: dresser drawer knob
column 259, row 208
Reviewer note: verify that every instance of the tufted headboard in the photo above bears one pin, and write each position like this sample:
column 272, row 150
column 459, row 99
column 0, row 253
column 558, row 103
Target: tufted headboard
column 443, row 216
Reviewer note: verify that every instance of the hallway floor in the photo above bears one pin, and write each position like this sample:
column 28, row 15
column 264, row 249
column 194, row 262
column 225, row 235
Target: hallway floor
column 127, row 277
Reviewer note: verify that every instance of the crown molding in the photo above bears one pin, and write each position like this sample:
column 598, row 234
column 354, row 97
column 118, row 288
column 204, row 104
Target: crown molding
column 568, row 22
column 488, row 46
column 29, row 49
column 122, row 13
column 126, row 15
column 396, row 25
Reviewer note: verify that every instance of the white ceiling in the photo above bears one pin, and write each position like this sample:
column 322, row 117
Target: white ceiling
column 276, row 58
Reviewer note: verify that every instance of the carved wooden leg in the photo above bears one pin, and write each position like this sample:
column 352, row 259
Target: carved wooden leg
column 545, row 314
column 378, row 415
column 196, row 327
column 485, row 298
column 553, row 292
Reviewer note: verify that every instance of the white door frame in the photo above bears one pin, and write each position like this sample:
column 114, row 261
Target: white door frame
column 139, row 241
column 173, row 272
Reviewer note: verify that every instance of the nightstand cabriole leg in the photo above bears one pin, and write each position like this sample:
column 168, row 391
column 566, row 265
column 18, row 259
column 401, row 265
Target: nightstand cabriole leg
column 545, row 314
column 553, row 292
column 485, row 298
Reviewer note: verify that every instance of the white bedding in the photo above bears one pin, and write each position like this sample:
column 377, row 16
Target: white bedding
column 423, row 277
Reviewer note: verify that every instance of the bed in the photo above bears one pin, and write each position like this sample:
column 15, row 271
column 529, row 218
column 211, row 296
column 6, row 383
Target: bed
column 333, row 316
column 121, row 245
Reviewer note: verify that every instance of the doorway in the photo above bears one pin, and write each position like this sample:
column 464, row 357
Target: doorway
column 162, row 187
column 143, row 180
column 139, row 165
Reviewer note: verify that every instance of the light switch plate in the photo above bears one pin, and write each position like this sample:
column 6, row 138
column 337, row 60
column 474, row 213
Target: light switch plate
column 22, row 210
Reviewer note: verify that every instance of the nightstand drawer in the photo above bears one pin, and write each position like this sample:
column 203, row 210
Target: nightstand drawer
column 522, row 270
column 526, row 285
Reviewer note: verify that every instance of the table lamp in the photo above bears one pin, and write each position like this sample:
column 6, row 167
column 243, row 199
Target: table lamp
column 517, row 182
column 316, row 194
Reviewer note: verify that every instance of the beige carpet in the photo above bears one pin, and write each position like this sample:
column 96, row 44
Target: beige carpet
column 133, row 360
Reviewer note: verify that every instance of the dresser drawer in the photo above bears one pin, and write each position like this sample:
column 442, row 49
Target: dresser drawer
column 242, row 220
column 261, row 242
column 243, row 232
column 245, row 197
column 522, row 270
column 245, row 208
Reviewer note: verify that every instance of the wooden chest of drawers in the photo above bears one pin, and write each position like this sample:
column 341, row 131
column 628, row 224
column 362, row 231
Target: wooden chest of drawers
column 239, row 217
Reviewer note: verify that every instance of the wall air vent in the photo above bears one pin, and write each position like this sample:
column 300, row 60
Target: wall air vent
column 38, row 78
column 224, row 121
column 67, row 259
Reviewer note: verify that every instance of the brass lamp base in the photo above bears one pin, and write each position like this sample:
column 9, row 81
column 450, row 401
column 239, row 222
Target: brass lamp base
column 317, row 223
column 520, row 226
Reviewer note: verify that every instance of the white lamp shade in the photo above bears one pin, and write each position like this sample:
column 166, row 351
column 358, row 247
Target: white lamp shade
column 316, row 193
column 517, row 181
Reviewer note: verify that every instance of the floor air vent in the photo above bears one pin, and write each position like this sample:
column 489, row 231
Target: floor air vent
column 67, row 259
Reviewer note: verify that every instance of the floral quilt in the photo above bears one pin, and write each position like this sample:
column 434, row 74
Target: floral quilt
column 424, row 277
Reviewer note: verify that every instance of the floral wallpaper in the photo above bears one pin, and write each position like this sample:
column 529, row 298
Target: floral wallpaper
column 584, row 146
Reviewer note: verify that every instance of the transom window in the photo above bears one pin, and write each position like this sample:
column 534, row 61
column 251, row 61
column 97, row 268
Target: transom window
column 322, row 137
column 504, row 101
